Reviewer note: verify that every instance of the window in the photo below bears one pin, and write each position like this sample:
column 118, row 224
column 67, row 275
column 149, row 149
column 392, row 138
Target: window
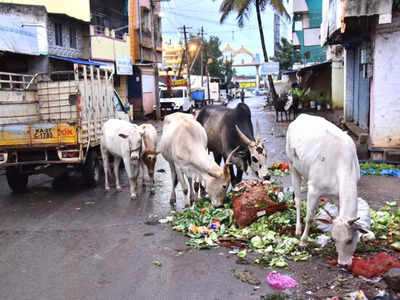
column 172, row 94
column 58, row 32
column 72, row 37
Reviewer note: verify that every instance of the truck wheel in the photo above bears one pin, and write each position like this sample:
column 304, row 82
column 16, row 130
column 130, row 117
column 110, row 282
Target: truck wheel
column 92, row 169
column 17, row 181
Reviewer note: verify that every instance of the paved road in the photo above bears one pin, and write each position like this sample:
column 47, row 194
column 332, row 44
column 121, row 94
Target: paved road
column 80, row 243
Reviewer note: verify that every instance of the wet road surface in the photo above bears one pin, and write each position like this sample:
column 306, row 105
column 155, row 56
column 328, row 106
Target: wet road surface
column 79, row 243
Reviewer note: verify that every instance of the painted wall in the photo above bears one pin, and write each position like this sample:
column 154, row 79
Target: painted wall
column 385, row 91
column 337, row 83
column 78, row 9
column 106, row 47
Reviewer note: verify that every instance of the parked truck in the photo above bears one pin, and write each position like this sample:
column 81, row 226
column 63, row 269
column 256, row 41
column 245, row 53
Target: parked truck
column 51, row 123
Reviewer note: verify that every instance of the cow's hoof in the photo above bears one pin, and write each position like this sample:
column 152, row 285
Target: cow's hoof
column 107, row 188
column 119, row 189
column 303, row 243
column 298, row 232
column 152, row 191
column 133, row 196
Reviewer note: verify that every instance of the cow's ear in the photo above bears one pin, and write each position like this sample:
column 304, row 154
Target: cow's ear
column 124, row 136
column 360, row 228
column 325, row 221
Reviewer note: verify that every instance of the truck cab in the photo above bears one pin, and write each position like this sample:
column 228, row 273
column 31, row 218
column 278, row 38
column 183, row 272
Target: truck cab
column 175, row 99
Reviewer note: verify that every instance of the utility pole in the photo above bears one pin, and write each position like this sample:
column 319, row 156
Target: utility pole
column 187, row 65
column 201, row 55
column 155, row 64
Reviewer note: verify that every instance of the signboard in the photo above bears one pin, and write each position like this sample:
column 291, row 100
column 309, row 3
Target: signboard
column 270, row 68
column 123, row 64
column 18, row 37
column 179, row 82
column 245, row 85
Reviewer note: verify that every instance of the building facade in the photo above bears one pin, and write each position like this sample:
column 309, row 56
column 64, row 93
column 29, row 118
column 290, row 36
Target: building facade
column 113, row 34
column 307, row 18
column 368, row 31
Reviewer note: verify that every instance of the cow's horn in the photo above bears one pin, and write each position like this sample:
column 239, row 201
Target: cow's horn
column 244, row 138
column 228, row 160
column 350, row 222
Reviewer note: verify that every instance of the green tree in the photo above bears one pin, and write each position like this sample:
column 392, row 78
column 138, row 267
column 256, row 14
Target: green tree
column 286, row 55
column 211, row 50
column 243, row 10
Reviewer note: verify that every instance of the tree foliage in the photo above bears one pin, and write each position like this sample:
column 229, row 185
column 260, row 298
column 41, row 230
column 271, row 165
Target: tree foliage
column 243, row 10
column 216, row 68
column 286, row 54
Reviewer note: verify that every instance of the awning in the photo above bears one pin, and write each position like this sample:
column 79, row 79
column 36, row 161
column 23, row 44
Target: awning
column 314, row 66
column 77, row 61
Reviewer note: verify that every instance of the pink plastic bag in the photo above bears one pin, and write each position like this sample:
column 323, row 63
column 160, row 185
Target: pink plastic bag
column 280, row 281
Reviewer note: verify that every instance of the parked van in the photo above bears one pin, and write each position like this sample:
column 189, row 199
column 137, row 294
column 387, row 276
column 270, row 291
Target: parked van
column 175, row 99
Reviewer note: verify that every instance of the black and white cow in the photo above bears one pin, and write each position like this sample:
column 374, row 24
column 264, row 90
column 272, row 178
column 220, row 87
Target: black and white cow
column 229, row 128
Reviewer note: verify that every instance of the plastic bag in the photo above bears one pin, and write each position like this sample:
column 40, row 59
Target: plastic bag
column 280, row 281
column 362, row 212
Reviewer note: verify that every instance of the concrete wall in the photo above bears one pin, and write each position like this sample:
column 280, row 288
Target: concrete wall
column 19, row 63
column 78, row 9
column 385, row 87
column 82, row 32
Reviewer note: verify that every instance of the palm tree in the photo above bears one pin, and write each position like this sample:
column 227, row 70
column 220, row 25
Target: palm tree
column 243, row 9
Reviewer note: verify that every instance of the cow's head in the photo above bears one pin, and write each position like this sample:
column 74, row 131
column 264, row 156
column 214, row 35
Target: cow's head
column 218, row 182
column 133, row 143
column 258, row 155
column 346, row 235
column 150, row 158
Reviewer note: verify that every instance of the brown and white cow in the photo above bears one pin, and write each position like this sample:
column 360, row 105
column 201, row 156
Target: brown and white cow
column 149, row 156
column 184, row 145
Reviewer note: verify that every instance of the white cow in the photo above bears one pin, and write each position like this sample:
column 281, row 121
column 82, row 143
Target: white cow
column 326, row 158
column 149, row 156
column 183, row 144
column 122, row 140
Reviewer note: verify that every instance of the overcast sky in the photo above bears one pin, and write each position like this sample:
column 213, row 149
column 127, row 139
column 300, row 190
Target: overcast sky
column 195, row 13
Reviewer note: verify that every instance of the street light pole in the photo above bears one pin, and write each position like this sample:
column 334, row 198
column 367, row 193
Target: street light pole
column 187, row 64
column 201, row 56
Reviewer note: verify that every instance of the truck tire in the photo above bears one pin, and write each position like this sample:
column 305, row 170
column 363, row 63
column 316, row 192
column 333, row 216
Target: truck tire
column 92, row 169
column 17, row 181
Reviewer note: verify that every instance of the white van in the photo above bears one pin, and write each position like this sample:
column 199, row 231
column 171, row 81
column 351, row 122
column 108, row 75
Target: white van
column 175, row 99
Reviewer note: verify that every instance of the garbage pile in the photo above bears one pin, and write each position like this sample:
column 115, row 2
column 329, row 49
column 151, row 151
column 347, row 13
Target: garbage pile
column 264, row 225
column 279, row 169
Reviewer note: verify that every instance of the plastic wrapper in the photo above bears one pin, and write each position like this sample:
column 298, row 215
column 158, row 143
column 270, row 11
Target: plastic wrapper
column 280, row 282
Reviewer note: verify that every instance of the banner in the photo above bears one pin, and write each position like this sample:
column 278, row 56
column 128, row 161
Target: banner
column 179, row 82
column 20, row 37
